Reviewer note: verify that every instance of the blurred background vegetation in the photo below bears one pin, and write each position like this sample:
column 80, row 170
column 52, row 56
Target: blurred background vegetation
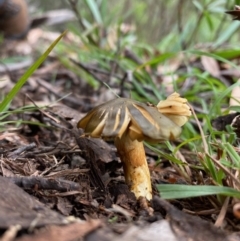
column 159, row 22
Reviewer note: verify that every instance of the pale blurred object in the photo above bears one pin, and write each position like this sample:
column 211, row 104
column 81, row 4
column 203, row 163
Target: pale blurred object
column 15, row 21
column 235, row 97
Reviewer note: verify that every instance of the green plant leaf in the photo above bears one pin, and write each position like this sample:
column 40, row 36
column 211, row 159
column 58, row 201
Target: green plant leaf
column 173, row 191
column 164, row 155
column 27, row 74
column 232, row 153
column 157, row 60
column 228, row 53
column 227, row 34
column 202, row 53
column 92, row 4
column 198, row 5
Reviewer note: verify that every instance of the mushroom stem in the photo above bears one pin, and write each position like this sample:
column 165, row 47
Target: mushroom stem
column 136, row 172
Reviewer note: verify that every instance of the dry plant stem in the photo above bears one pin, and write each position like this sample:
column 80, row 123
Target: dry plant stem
column 41, row 110
column 196, row 29
column 11, row 232
column 179, row 22
column 226, row 171
column 186, row 170
column 222, row 214
column 137, row 175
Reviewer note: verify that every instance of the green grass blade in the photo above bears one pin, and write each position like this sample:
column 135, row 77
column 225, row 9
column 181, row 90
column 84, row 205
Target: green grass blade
column 173, row 191
column 27, row 74
column 227, row 34
column 233, row 154
column 164, row 155
column 195, row 138
column 93, row 6
column 19, row 122
column 157, row 60
column 202, row 53
column 228, row 53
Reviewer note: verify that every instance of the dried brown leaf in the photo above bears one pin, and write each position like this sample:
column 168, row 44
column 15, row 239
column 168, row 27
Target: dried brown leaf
column 210, row 65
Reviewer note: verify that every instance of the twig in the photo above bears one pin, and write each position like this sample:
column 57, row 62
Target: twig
column 91, row 70
column 128, row 53
column 62, row 194
column 84, row 67
column 118, row 209
column 200, row 17
column 205, row 145
column 179, row 22
column 52, row 167
column 222, row 214
column 226, row 171
column 50, row 88
column 11, row 233
column 21, row 149
column 45, row 183
column 121, row 94
column 15, row 166
column 42, row 111
column 73, row 4
column 116, row 55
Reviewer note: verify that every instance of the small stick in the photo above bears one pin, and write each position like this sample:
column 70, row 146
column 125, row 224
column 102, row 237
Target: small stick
column 21, row 149
column 45, row 183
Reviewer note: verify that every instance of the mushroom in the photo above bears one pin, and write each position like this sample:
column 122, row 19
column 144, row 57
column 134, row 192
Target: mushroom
column 129, row 123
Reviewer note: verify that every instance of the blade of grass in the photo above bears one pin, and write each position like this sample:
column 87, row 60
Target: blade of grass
column 232, row 153
column 164, row 155
column 27, row 74
column 35, row 123
column 173, row 191
column 195, row 138
column 202, row 53
column 227, row 34
column 93, row 6
column 157, row 60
